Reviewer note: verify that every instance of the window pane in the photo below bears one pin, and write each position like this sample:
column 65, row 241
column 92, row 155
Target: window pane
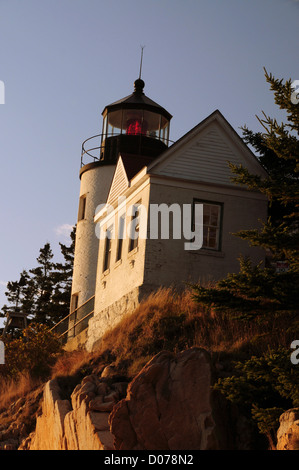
column 206, row 219
column 74, row 302
column 214, row 220
column 133, row 121
column 211, row 225
column 151, row 124
column 121, row 231
column 212, row 238
column 114, row 123
column 82, row 208
column 104, row 124
column 107, row 254
column 134, row 228
column 205, row 236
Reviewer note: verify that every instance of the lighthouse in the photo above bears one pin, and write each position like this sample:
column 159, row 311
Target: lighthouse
column 135, row 126
column 131, row 164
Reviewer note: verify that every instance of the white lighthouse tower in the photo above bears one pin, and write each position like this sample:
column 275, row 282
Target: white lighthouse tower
column 95, row 179
column 135, row 126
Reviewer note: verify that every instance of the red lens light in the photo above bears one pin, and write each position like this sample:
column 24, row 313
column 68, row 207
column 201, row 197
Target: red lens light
column 134, row 127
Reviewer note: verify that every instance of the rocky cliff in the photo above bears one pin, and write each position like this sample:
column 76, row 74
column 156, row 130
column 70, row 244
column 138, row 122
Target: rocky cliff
column 169, row 405
column 288, row 432
column 80, row 423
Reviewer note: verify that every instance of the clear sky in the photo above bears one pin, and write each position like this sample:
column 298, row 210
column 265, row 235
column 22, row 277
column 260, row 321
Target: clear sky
column 62, row 61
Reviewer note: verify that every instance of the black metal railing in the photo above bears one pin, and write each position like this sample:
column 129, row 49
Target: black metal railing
column 75, row 322
column 94, row 147
column 95, row 151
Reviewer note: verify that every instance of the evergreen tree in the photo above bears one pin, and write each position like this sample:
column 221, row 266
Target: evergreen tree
column 14, row 292
column 268, row 384
column 43, row 293
column 262, row 290
column 44, row 285
column 63, row 279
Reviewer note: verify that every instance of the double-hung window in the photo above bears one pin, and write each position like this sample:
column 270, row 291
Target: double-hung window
column 212, row 224
column 107, row 252
column 121, row 234
column 134, row 227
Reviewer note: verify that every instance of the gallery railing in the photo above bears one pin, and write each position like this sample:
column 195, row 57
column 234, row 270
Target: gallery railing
column 77, row 321
column 94, row 148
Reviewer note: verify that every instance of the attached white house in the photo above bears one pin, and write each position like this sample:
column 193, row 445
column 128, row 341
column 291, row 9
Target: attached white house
column 194, row 171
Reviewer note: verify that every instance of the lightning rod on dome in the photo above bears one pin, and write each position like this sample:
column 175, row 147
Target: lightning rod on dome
column 142, row 47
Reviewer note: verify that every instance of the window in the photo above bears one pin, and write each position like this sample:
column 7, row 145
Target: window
column 74, row 302
column 212, row 220
column 82, row 208
column 134, row 232
column 121, row 232
column 107, row 253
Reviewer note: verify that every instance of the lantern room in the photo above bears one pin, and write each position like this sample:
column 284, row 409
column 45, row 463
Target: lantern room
column 135, row 125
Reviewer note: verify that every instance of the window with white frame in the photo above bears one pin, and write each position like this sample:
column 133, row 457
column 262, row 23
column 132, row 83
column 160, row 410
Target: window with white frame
column 121, row 234
column 135, row 225
column 107, row 249
column 212, row 224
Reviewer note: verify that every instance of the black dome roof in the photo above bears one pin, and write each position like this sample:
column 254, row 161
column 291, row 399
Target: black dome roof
column 138, row 100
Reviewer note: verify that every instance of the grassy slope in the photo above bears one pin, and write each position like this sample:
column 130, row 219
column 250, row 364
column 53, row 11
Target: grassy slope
column 164, row 321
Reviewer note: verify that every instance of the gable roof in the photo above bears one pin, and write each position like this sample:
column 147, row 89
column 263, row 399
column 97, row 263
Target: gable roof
column 204, row 152
column 201, row 155
column 134, row 163
column 127, row 167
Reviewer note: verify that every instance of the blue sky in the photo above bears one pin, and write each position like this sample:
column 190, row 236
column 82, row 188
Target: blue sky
column 62, row 61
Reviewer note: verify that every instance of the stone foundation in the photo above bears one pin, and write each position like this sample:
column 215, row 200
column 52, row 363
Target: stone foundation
column 108, row 318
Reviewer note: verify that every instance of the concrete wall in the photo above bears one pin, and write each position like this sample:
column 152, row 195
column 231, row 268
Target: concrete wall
column 168, row 263
column 118, row 288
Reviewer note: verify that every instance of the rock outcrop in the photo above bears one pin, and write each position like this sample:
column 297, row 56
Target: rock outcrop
column 170, row 406
column 80, row 423
column 288, row 432
column 49, row 433
column 17, row 420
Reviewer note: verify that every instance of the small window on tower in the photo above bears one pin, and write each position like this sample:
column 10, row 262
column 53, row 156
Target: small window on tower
column 74, row 302
column 82, row 208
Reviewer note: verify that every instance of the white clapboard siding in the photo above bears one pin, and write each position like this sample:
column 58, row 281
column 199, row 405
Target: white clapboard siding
column 119, row 183
column 205, row 160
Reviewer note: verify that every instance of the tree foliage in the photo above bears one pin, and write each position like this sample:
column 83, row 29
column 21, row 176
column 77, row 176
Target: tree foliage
column 33, row 352
column 269, row 384
column 262, row 290
column 43, row 292
column 266, row 386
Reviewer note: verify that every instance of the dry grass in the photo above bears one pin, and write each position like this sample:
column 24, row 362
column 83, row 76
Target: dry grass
column 166, row 320
column 13, row 389
column 172, row 321
column 70, row 363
